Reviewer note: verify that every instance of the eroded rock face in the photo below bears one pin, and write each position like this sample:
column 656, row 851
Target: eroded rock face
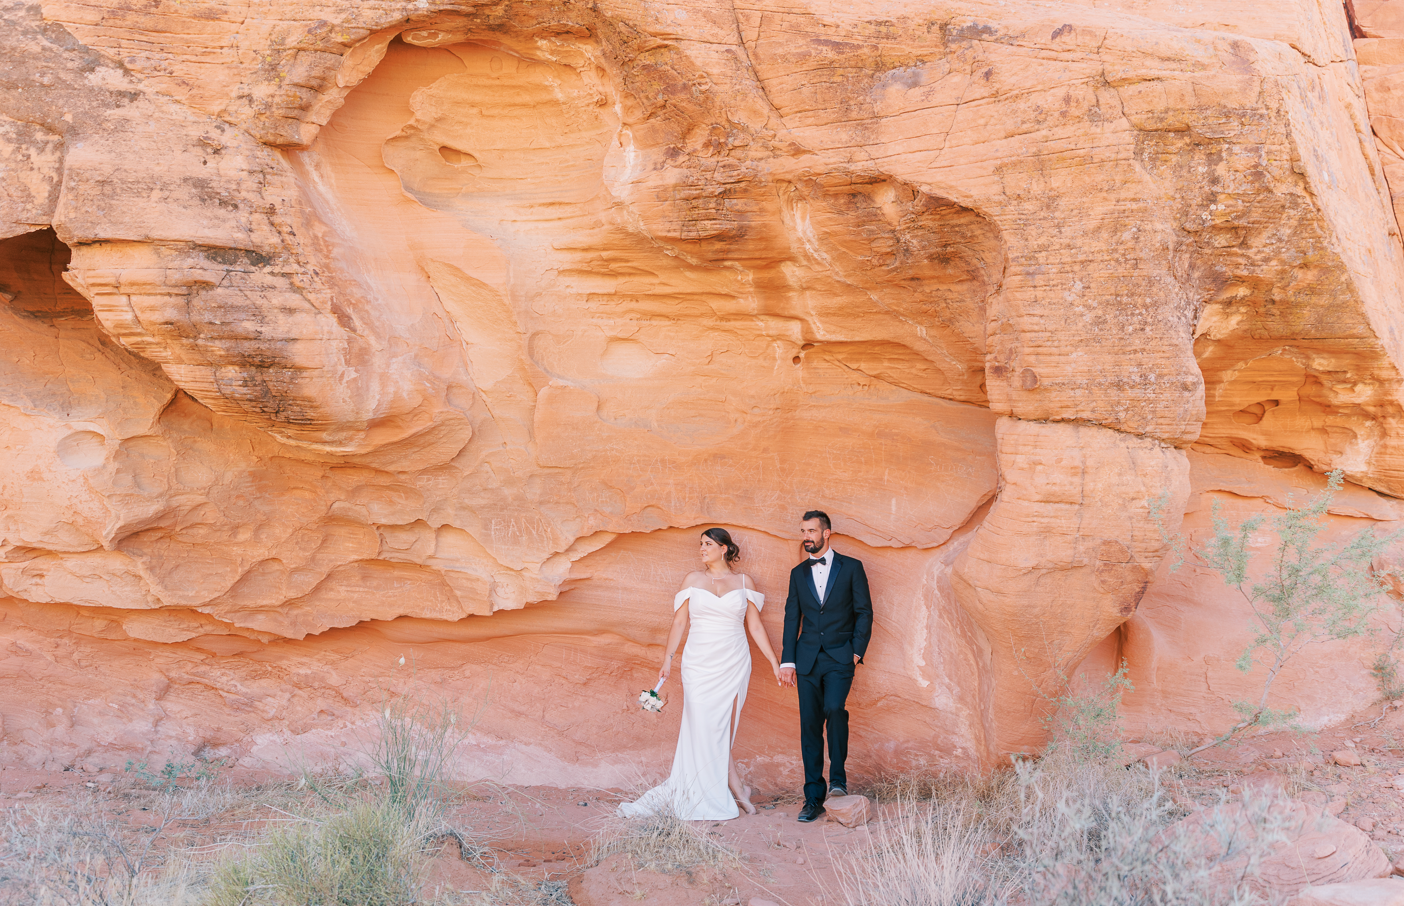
column 351, row 332
column 1315, row 850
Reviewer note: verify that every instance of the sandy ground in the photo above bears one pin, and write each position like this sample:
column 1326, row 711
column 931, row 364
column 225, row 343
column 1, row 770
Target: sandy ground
column 1302, row 765
column 543, row 834
column 534, row 833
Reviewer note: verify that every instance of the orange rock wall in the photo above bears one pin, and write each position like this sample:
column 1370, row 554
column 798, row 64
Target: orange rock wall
column 346, row 333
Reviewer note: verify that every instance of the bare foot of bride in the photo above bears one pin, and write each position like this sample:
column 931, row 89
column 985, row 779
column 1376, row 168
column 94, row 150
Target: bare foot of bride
column 744, row 798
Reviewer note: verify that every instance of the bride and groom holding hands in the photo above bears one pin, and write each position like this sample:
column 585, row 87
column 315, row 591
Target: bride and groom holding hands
column 828, row 622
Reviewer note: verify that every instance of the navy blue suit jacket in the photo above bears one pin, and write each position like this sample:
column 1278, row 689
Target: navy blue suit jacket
column 842, row 626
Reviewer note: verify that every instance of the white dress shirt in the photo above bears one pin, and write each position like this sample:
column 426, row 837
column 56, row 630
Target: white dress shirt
column 820, row 571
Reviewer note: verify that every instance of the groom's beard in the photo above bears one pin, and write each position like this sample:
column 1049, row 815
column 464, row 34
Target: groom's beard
column 812, row 547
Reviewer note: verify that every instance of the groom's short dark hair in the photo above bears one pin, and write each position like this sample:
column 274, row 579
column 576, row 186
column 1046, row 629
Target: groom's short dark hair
column 822, row 516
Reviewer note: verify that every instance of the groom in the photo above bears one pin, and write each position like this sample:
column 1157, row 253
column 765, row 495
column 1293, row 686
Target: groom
column 828, row 620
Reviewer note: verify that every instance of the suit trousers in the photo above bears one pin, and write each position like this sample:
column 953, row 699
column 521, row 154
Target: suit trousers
column 823, row 696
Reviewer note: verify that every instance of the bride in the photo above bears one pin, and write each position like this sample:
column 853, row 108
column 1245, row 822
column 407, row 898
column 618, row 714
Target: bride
column 716, row 668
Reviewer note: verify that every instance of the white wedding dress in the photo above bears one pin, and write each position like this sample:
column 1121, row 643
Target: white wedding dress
column 716, row 668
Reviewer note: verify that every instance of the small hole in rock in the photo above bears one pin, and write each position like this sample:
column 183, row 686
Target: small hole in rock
column 1252, row 414
column 456, row 157
column 1280, row 459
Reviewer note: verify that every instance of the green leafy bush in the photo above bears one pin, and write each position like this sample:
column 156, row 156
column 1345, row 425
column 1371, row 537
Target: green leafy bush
column 1303, row 593
column 172, row 775
column 1085, row 724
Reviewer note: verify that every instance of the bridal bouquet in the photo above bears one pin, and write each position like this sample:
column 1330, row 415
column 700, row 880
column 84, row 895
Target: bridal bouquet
column 649, row 700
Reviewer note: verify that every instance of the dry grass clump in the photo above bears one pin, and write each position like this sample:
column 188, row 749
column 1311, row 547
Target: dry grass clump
column 413, row 752
column 366, row 844
column 369, row 853
column 662, row 842
column 79, row 856
column 1063, row 831
column 369, row 837
column 934, row 853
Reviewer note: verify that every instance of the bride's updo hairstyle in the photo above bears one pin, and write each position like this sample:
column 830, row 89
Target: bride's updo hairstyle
column 723, row 537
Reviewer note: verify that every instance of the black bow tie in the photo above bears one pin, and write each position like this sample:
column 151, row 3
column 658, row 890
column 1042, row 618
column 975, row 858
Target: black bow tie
column 815, row 561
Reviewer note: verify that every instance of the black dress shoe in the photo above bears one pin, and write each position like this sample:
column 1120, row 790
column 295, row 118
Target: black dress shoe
column 837, row 790
column 812, row 809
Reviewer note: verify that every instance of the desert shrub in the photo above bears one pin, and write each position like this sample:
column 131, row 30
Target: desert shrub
column 1073, row 827
column 364, row 843
column 1082, row 720
column 368, row 854
column 413, row 751
column 661, row 842
column 79, row 856
column 173, row 774
column 1307, row 593
column 1060, row 831
column 1087, row 839
column 1386, row 668
column 932, row 853
column 1085, row 724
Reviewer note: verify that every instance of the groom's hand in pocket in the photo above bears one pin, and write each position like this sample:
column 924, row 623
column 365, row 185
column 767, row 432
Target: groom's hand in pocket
column 786, row 676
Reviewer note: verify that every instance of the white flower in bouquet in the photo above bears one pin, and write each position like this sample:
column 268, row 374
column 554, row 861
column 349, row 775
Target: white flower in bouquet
column 649, row 700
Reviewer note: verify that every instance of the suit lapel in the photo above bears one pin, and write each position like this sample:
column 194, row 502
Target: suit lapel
column 813, row 588
column 833, row 577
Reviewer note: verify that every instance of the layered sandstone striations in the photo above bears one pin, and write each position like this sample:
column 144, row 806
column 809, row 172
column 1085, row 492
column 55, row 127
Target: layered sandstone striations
column 344, row 333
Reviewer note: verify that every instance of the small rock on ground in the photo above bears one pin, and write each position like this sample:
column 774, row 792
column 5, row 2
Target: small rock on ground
column 1379, row 892
column 850, row 811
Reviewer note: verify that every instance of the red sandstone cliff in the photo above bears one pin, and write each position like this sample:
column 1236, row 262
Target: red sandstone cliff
column 338, row 332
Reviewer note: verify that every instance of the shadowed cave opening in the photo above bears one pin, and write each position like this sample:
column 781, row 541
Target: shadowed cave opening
column 31, row 277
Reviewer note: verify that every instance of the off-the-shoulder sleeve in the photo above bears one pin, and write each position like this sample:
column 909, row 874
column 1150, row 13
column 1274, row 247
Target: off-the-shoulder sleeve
column 756, row 598
column 680, row 598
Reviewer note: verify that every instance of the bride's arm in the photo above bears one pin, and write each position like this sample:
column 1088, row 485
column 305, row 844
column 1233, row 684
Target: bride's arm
column 676, row 633
column 674, row 639
column 753, row 623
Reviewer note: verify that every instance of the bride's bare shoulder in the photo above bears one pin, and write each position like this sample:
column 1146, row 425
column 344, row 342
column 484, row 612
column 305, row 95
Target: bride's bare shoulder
column 694, row 579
